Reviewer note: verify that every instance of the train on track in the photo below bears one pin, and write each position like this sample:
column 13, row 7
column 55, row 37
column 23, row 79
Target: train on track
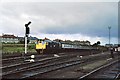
column 48, row 46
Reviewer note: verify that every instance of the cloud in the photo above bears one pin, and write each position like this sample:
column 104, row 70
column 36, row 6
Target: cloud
column 60, row 1
column 85, row 18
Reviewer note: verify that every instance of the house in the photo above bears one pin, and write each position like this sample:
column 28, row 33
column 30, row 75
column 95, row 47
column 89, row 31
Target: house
column 21, row 40
column 7, row 38
column 108, row 45
column 32, row 39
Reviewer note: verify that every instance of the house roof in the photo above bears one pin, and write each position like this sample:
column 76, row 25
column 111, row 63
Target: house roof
column 8, row 36
column 20, row 38
column 32, row 38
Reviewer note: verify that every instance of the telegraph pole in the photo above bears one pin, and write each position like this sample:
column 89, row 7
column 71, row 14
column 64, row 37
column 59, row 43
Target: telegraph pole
column 109, row 27
column 110, row 47
column 27, row 31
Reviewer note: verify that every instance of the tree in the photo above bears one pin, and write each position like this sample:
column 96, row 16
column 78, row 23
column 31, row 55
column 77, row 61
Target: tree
column 95, row 44
column 98, row 42
column 22, row 41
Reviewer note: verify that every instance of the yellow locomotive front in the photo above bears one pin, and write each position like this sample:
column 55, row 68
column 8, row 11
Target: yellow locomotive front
column 40, row 46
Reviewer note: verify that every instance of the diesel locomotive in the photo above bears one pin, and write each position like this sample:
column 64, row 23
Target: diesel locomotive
column 48, row 46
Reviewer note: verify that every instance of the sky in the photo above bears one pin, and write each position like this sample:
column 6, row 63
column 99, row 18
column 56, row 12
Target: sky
column 62, row 20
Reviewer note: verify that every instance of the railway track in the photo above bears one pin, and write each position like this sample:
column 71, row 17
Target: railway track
column 108, row 71
column 29, row 72
column 13, row 63
column 10, row 63
column 20, row 59
column 22, row 66
column 40, row 67
column 14, row 60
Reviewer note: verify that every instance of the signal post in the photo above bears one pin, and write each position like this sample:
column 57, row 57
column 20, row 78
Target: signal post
column 27, row 32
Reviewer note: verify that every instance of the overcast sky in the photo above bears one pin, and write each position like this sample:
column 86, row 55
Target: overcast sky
column 62, row 20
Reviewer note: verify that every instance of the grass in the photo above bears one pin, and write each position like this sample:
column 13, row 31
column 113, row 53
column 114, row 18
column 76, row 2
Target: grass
column 14, row 48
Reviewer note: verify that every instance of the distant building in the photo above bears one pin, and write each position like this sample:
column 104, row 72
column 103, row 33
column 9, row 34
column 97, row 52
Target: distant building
column 116, row 45
column 76, row 42
column 7, row 38
column 108, row 45
column 32, row 39
column 58, row 40
column 82, row 42
column 21, row 39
